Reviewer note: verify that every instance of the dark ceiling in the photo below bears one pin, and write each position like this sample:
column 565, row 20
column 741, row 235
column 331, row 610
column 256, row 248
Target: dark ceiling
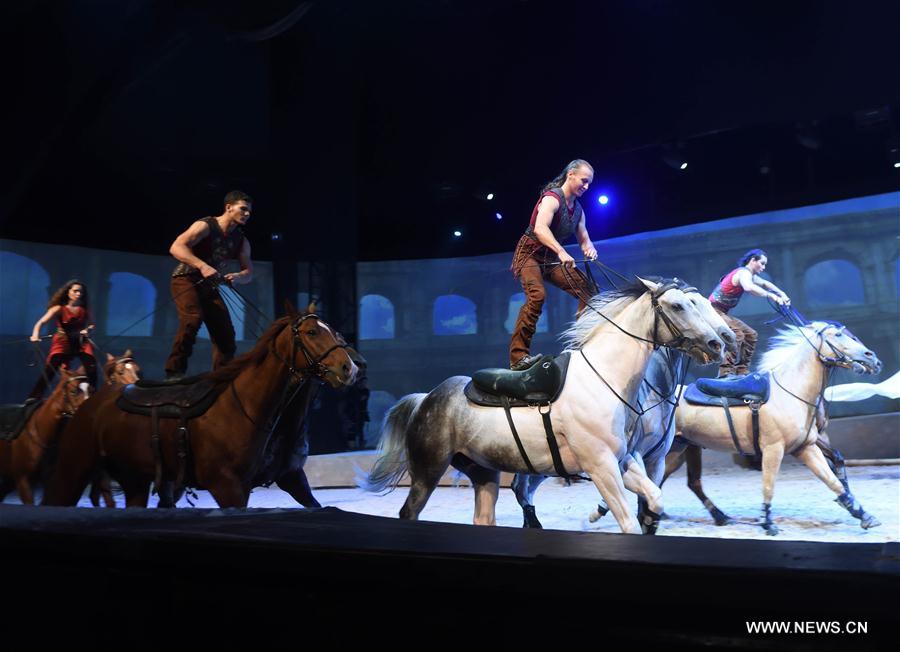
column 372, row 130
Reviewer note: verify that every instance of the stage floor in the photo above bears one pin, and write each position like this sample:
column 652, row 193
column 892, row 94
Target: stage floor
column 803, row 507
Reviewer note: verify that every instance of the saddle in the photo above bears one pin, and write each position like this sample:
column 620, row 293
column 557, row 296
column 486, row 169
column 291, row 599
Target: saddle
column 739, row 391
column 541, row 383
column 751, row 391
column 14, row 416
column 186, row 399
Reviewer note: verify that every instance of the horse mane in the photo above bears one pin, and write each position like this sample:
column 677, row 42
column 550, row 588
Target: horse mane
column 252, row 357
column 613, row 301
column 786, row 344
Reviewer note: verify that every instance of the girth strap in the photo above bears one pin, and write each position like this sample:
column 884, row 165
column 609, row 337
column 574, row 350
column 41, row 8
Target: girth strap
column 754, row 418
column 554, row 447
column 512, row 426
column 154, row 443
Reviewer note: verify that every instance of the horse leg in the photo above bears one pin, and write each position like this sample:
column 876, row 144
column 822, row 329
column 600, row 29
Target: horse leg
column 524, row 486
column 137, row 493
column 486, row 483
column 228, row 491
column 23, row 486
column 295, row 482
column 693, row 455
column 815, row 460
column 649, row 495
column 604, row 472
column 771, row 463
column 424, row 477
column 834, row 458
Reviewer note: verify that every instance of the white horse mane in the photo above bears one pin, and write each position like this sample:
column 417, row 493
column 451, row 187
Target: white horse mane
column 787, row 343
column 612, row 301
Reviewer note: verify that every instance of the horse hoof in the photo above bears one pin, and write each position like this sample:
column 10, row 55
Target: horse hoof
column 724, row 519
column 771, row 530
column 869, row 521
column 600, row 512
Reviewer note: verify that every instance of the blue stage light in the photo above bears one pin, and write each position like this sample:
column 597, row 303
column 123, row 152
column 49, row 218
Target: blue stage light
column 490, row 196
column 499, row 216
column 457, row 233
column 603, row 199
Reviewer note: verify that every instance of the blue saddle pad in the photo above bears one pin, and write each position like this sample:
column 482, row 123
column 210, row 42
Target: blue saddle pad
column 710, row 391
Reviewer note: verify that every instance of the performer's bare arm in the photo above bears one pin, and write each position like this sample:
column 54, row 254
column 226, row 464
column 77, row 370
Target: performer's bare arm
column 36, row 332
column 768, row 285
column 587, row 247
column 246, row 273
column 181, row 249
column 549, row 206
column 749, row 282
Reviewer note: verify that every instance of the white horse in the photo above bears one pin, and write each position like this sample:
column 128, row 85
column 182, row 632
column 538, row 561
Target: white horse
column 653, row 431
column 611, row 344
column 798, row 361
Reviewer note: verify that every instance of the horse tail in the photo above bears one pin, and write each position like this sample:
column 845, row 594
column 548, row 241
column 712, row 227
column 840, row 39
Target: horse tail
column 392, row 462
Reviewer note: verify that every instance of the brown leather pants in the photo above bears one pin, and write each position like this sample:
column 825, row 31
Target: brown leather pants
column 196, row 305
column 532, row 278
column 746, row 343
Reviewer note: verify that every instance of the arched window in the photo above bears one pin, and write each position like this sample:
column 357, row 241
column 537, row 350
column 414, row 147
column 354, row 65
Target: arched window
column 454, row 315
column 131, row 296
column 376, row 318
column 835, row 282
column 24, row 288
column 379, row 404
column 516, row 302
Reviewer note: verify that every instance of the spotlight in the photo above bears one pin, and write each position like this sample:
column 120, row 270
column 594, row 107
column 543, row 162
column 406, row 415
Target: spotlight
column 490, row 196
column 894, row 154
column 673, row 156
column 276, row 237
column 457, row 234
column 603, row 199
column 498, row 216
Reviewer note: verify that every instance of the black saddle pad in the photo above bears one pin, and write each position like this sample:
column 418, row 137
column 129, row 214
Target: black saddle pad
column 541, row 383
column 14, row 416
column 186, row 399
column 710, row 391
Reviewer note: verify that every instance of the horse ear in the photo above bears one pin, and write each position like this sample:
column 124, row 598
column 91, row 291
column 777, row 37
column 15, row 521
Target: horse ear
column 289, row 308
column 109, row 357
column 311, row 308
column 650, row 285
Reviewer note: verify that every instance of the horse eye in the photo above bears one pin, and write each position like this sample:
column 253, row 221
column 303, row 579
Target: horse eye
column 311, row 332
column 679, row 307
column 839, row 335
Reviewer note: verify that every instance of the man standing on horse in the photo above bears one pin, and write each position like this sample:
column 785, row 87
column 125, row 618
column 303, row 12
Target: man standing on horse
column 540, row 257
column 726, row 296
column 201, row 250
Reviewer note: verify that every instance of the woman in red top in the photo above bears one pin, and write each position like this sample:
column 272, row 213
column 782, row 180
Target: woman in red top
column 69, row 305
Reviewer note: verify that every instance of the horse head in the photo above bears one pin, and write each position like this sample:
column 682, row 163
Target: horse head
column 838, row 347
column 712, row 316
column 123, row 370
column 319, row 350
column 71, row 391
column 678, row 322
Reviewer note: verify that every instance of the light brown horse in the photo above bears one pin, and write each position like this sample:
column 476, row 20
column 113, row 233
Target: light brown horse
column 226, row 442
column 21, row 459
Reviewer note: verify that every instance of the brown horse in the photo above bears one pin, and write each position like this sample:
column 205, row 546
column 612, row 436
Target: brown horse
column 226, row 442
column 118, row 371
column 21, row 458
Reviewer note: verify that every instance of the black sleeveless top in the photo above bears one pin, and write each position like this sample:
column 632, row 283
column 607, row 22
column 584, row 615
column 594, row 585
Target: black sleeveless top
column 214, row 249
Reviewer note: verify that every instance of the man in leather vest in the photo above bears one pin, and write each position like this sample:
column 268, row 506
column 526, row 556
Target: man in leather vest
column 201, row 250
column 540, row 257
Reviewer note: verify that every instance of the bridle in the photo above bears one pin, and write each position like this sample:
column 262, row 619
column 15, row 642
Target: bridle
column 67, row 412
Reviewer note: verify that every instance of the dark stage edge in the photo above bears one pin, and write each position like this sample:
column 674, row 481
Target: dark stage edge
column 236, row 575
